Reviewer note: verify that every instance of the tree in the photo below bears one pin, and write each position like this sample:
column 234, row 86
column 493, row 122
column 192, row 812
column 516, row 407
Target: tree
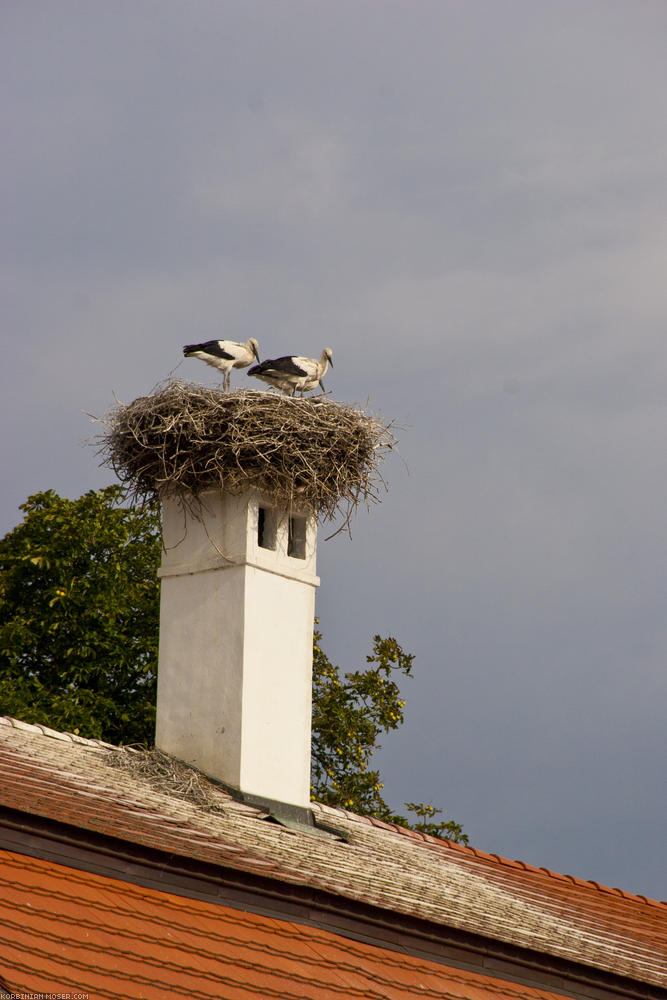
column 448, row 830
column 79, row 623
column 79, row 612
column 349, row 713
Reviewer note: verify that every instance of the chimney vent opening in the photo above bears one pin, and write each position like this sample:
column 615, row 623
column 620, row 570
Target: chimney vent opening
column 296, row 537
column 266, row 528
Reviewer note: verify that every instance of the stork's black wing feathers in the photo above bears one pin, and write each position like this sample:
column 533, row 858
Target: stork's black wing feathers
column 279, row 366
column 211, row 347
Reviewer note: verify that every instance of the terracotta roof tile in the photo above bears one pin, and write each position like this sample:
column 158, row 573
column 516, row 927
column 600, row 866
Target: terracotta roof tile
column 72, row 780
column 113, row 939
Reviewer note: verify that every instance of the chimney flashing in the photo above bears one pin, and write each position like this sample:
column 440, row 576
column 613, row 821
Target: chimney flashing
column 300, row 819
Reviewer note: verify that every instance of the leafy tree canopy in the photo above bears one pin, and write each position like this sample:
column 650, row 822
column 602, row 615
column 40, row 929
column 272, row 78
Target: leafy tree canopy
column 79, row 622
column 350, row 711
column 79, row 611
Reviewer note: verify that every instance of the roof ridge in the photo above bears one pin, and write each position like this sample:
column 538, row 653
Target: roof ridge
column 55, row 734
column 438, row 843
column 443, row 844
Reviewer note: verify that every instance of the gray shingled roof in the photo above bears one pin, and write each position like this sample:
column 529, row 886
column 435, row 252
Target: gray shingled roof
column 64, row 777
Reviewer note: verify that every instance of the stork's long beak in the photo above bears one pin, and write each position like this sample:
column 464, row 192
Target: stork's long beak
column 331, row 362
column 255, row 352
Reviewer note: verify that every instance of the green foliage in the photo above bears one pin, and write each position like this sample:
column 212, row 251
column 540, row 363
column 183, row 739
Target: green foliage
column 446, row 831
column 349, row 713
column 79, row 623
column 79, row 612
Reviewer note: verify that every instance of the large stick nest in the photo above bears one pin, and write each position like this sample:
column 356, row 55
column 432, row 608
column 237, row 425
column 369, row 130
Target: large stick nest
column 166, row 774
column 310, row 454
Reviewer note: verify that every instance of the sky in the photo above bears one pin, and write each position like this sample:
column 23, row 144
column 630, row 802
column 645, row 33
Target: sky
column 466, row 200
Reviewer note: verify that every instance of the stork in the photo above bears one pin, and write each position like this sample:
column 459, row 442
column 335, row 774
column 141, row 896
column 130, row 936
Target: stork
column 293, row 373
column 224, row 355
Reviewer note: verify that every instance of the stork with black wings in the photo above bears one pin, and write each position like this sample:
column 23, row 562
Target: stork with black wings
column 224, row 355
column 293, row 373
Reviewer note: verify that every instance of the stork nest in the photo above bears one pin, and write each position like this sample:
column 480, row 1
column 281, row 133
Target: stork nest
column 166, row 775
column 311, row 454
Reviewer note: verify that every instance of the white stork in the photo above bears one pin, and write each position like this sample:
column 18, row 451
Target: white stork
column 224, row 355
column 292, row 373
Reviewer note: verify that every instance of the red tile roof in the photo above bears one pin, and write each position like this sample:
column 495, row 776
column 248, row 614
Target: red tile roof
column 72, row 780
column 112, row 939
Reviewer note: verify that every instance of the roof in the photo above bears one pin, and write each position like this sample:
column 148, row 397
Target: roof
column 116, row 934
column 396, row 871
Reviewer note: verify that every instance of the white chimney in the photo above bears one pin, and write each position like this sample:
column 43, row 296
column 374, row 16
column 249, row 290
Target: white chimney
column 236, row 642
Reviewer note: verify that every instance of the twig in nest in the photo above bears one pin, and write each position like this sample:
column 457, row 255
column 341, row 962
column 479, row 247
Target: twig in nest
column 166, row 774
column 317, row 455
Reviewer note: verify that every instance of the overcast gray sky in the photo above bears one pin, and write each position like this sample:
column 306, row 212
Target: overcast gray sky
column 468, row 202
